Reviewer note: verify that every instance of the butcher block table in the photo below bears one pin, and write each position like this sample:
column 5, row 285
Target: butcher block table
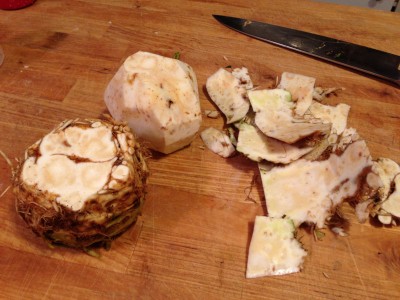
column 192, row 239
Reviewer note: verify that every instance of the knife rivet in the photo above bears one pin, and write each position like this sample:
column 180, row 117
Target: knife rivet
column 247, row 22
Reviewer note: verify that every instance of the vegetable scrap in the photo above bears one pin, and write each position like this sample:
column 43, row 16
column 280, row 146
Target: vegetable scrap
column 213, row 114
column 310, row 163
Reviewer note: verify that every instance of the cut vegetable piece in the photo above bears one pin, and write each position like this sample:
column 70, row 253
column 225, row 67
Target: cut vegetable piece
column 229, row 94
column 362, row 210
column 339, row 231
column 213, row 114
column 336, row 115
column 389, row 192
column 387, row 169
column 348, row 137
column 232, row 137
column 308, row 191
column 392, row 204
column 83, row 184
column 242, row 74
column 257, row 146
column 385, row 219
column 217, row 141
column 365, row 198
column 274, row 117
column 273, row 248
column 158, row 97
column 301, row 88
column 320, row 93
column 323, row 148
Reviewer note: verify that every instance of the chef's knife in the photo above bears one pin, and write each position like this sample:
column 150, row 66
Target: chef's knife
column 375, row 62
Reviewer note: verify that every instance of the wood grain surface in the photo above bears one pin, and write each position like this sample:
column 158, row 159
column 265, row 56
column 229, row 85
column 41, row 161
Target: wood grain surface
column 192, row 239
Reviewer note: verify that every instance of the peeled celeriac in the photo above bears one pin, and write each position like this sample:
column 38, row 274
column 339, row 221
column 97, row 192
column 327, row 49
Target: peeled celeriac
column 158, row 97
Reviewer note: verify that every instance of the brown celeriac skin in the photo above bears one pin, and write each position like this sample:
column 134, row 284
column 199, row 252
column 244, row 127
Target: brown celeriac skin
column 103, row 215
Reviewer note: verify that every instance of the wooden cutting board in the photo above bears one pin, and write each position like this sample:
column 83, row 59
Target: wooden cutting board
column 192, row 239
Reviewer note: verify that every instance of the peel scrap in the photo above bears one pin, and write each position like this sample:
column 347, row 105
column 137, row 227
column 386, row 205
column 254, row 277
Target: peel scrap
column 309, row 161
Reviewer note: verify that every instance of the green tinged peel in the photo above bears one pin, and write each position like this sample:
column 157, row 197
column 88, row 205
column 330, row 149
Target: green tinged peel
column 257, row 146
column 275, row 117
column 177, row 55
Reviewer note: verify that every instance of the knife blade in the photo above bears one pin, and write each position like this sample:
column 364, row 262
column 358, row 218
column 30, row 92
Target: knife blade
column 371, row 61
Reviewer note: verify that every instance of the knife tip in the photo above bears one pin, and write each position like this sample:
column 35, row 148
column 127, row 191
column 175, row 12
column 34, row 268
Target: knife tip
column 219, row 17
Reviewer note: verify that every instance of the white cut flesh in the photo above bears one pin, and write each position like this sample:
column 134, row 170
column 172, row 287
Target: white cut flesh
column 242, row 74
column 308, row 191
column 321, row 147
column 301, row 88
column 227, row 92
column 392, row 204
column 348, row 136
column 257, row 146
column 385, row 219
column 213, row 114
column 275, row 117
column 336, row 115
column 158, row 97
column 387, row 170
column 365, row 198
column 217, row 141
column 273, row 248
column 320, row 93
column 74, row 164
column 362, row 211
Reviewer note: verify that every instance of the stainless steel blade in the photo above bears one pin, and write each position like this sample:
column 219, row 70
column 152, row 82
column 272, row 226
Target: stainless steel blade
column 375, row 62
